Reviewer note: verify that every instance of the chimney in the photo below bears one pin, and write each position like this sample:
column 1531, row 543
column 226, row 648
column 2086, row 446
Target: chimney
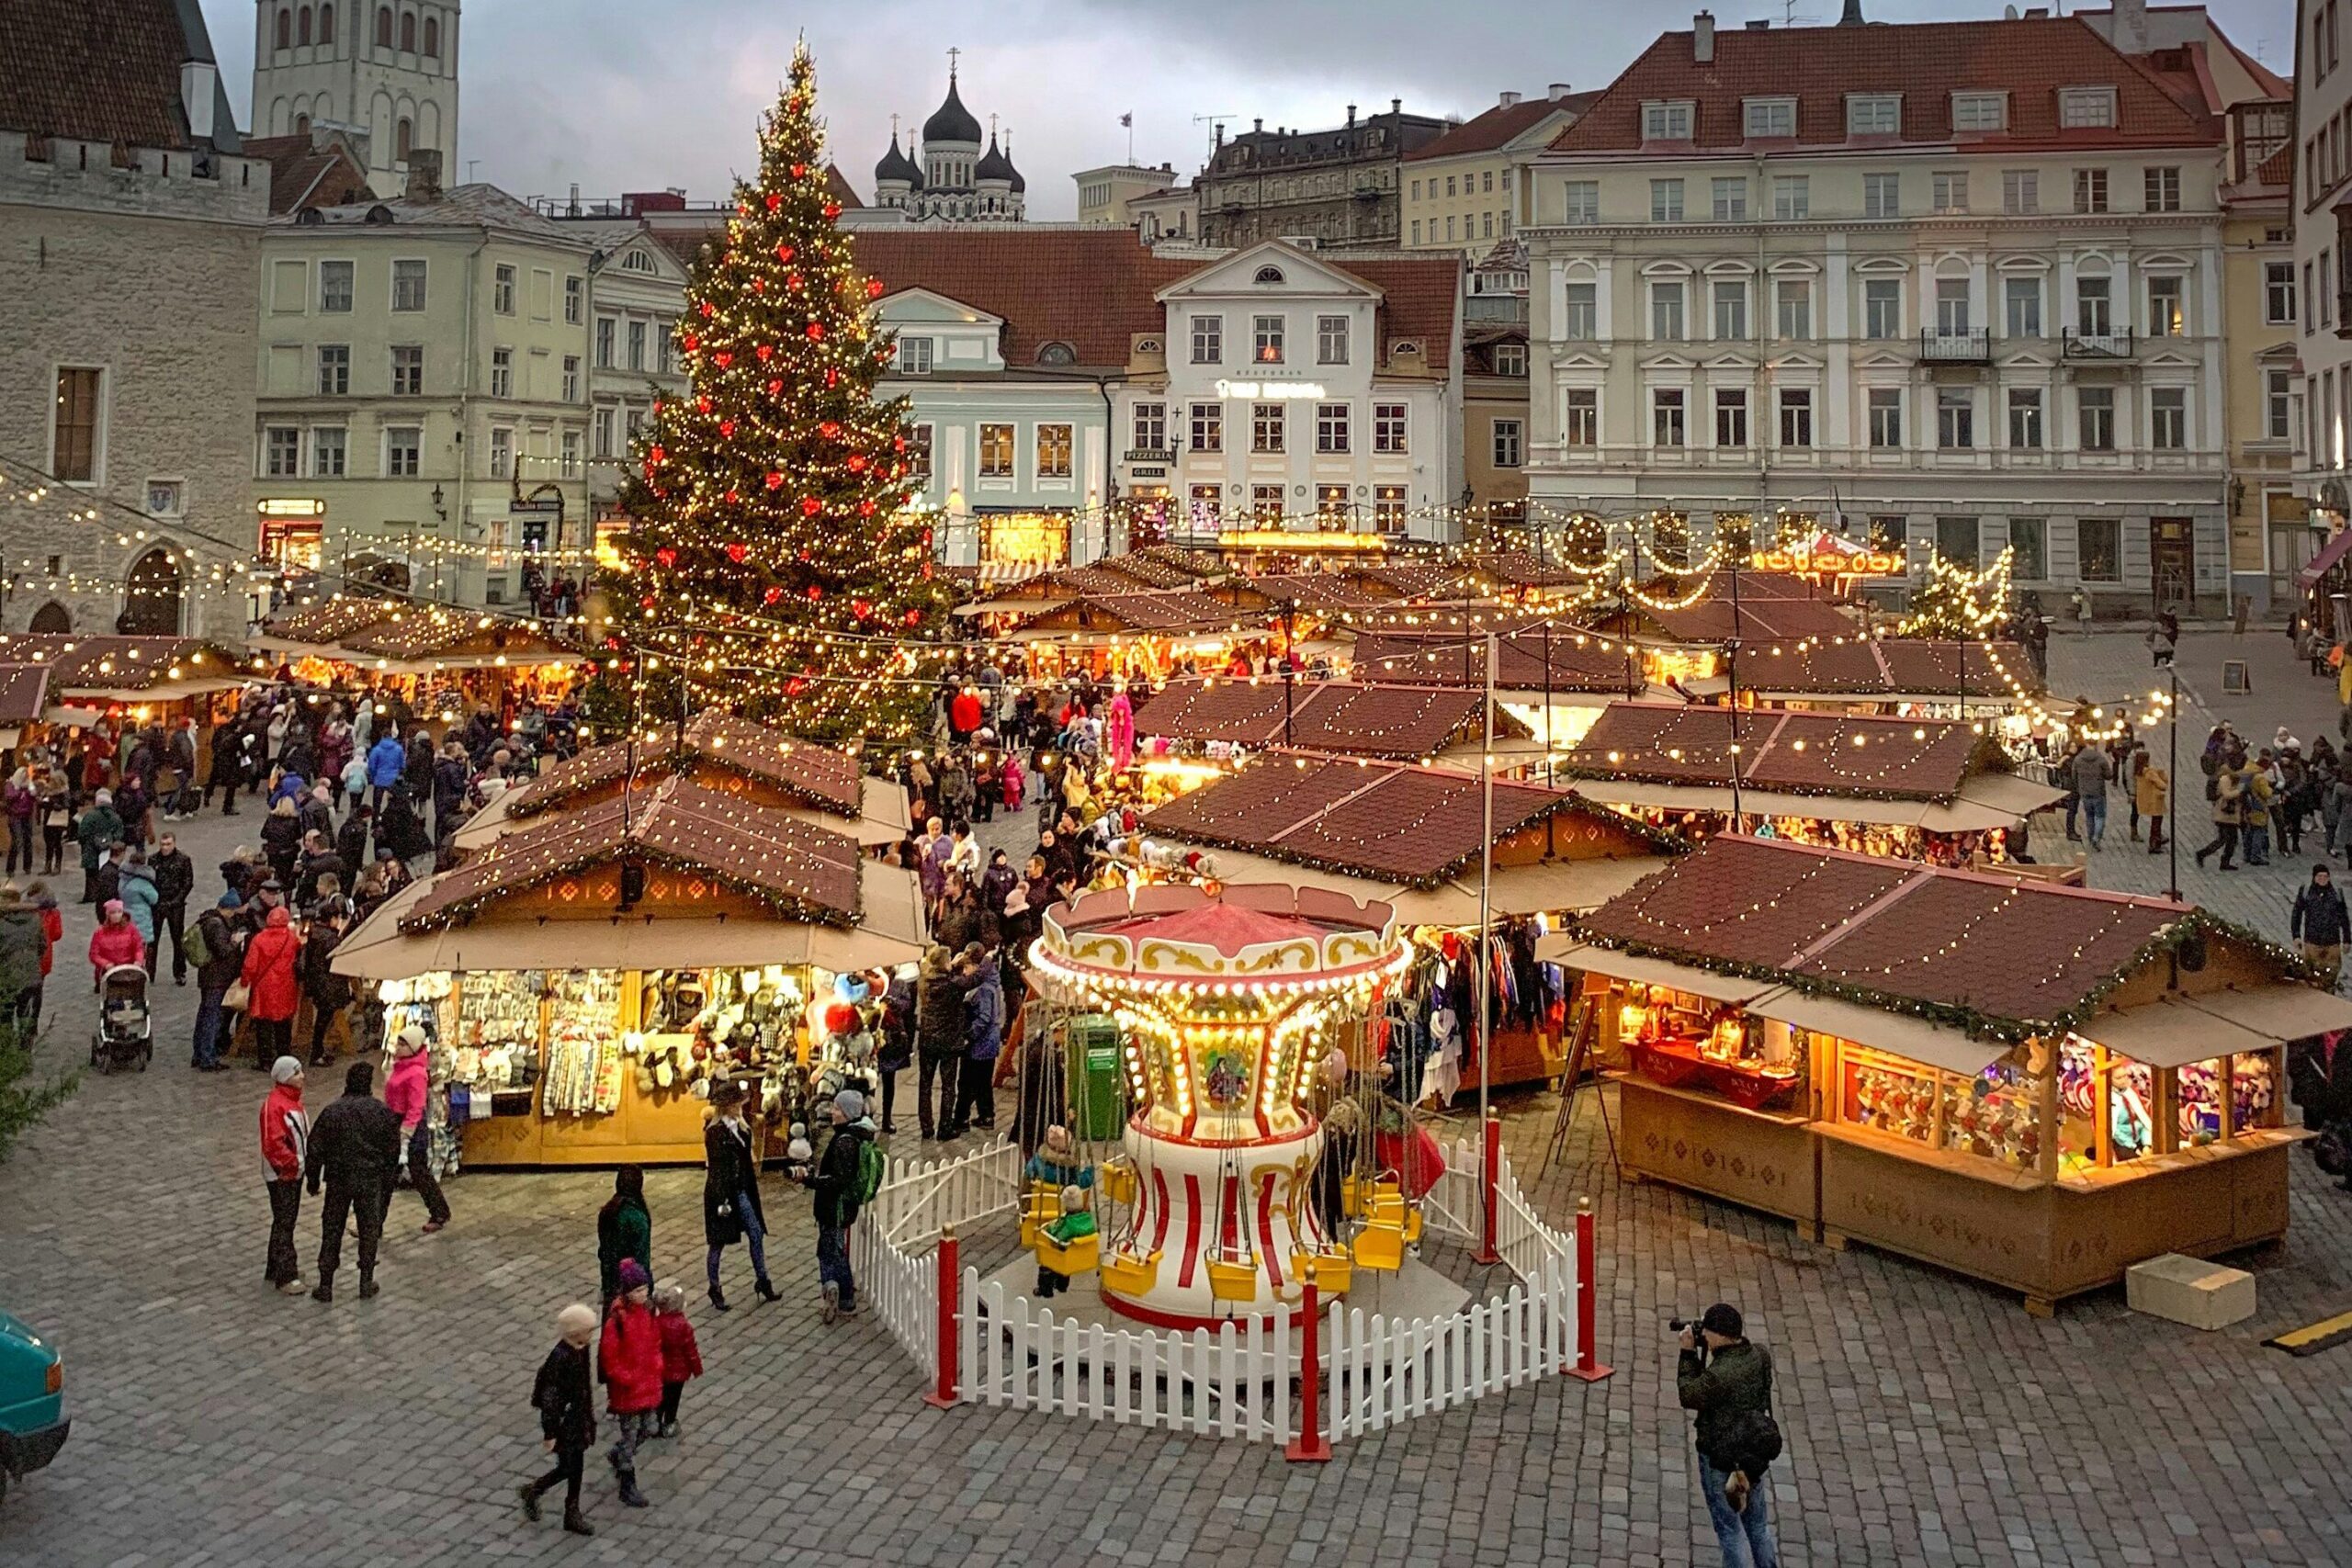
column 1853, row 16
column 200, row 81
column 1396, row 106
column 1259, row 124
column 1702, row 37
column 1352, row 115
column 1556, row 91
column 1508, row 101
column 423, row 174
column 2131, row 27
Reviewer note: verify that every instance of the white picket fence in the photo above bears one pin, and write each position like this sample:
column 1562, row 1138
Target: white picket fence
column 1241, row 1379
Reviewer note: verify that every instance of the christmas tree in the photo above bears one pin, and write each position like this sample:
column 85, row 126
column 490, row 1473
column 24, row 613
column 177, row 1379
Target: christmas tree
column 771, row 563
column 1957, row 602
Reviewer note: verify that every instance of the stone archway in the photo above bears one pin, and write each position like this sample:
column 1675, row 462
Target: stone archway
column 51, row 617
column 152, row 597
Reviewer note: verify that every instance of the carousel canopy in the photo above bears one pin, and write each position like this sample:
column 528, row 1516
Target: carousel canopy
column 1525, row 661
column 1401, row 722
column 1250, row 934
column 1992, row 956
column 153, row 668
column 1934, row 773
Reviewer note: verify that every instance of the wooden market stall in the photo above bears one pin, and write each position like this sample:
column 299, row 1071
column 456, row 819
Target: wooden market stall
column 1682, row 628
column 588, row 976
column 1909, row 677
column 1228, row 719
column 761, row 766
column 2036, row 1085
column 1410, row 836
column 64, row 681
column 1925, row 789
column 1554, row 680
column 443, row 662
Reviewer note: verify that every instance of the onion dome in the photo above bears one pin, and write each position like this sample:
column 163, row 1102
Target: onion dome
column 897, row 166
column 994, row 165
column 952, row 121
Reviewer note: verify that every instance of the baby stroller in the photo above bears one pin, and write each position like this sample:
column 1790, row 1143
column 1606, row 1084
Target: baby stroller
column 125, row 1033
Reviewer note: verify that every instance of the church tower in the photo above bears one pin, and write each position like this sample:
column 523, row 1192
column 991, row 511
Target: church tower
column 384, row 70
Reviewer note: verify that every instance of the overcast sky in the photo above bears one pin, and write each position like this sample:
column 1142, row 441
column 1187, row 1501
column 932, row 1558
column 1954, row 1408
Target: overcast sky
column 639, row 95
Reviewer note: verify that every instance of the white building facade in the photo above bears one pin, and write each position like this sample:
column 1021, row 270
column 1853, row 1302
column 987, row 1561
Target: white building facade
column 1969, row 298
column 2322, row 242
column 386, row 70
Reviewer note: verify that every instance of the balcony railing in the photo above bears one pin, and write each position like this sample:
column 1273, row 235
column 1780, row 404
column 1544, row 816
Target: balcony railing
column 1962, row 347
column 2079, row 345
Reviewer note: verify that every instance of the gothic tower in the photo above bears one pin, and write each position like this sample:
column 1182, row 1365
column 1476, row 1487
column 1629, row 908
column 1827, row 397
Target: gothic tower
column 386, row 70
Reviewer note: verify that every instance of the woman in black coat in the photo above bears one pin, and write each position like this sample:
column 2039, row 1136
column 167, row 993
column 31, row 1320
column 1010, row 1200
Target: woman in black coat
column 731, row 1192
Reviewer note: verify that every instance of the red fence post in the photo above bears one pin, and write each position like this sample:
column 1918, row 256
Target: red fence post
column 950, row 1282
column 1588, row 1367
column 1311, row 1445
column 1490, row 1176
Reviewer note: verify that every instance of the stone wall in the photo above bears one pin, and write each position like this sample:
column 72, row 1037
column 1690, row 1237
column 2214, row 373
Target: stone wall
column 152, row 275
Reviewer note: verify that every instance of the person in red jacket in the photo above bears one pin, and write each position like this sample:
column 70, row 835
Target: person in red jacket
column 273, row 963
column 285, row 1145
column 52, row 931
column 116, row 940
column 680, row 1357
column 628, row 1362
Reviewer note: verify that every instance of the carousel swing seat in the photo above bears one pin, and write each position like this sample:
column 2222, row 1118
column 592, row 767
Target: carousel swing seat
column 1122, row 1183
column 1129, row 1274
column 1381, row 1246
column 1334, row 1269
column 1232, row 1279
column 1080, row 1254
column 1040, row 1207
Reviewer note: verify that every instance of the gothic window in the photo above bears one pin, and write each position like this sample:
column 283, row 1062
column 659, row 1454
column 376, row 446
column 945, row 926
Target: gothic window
column 432, row 38
column 326, row 24
column 403, row 137
column 408, row 31
column 383, row 26
column 301, row 125
column 285, row 28
column 51, row 618
column 302, row 26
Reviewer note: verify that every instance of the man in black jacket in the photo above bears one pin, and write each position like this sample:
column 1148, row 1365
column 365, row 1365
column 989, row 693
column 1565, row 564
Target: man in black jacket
column 356, row 1147
column 2320, row 922
column 174, row 876
column 835, row 1183
column 1729, row 1383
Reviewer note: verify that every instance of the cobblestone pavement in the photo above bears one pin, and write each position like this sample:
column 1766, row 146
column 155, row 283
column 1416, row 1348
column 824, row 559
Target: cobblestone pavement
column 1930, row 1420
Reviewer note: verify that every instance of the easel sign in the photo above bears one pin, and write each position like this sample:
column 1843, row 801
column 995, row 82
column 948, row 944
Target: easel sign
column 2235, row 681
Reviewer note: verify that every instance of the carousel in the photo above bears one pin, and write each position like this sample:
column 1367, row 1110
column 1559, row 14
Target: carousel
column 1255, row 1140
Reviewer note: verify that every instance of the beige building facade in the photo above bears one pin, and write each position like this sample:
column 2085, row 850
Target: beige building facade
column 1458, row 188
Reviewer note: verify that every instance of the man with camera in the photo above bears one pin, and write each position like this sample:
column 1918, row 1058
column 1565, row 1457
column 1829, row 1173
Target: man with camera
column 1729, row 1382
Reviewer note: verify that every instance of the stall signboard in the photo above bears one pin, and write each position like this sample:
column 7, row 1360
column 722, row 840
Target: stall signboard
column 1827, row 559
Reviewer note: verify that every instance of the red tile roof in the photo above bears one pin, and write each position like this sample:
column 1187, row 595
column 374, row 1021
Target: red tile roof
column 1497, row 125
column 1402, row 722
column 1577, row 661
column 2030, row 58
column 97, row 71
column 1837, row 755
column 302, row 173
column 1361, row 818
column 2026, row 955
column 1088, row 288
column 680, row 825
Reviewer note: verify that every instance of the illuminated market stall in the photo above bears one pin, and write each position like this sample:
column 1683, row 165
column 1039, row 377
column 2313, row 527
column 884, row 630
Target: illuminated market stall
column 2034, row 1085
column 586, row 979
column 59, row 681
column 1681, row 628
column 1908, row 677
column 1553, row 678
column 722, row 753
column 1410, row 838
column 443, row 662
column 1917, row 789
column 1231, row 718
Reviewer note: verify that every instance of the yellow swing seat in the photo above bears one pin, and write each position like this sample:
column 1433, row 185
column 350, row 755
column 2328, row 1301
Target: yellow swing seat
column 1078, row 1255
column 1040, row 1207
column 1380, row 1245
column 1232, row 1280
column 1389, row 1208
column 1129, row 1274
column 1352, row 1196
column 1121, row 1181
column 1334, row 1270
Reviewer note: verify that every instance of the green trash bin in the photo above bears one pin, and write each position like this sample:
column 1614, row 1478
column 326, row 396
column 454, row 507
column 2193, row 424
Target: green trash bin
column 1098, row 1097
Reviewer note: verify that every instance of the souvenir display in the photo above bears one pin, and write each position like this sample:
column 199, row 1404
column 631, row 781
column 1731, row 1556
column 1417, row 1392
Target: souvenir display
column 584, row 1056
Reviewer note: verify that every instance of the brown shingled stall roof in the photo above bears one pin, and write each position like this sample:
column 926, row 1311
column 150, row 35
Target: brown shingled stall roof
column 23, row 692
column 323, row 624
column 1889, row 667
column 809, row 873
column 2023, row 953
column 1167, row 611
column 1836, row 755
column 1401, row 722
column 1379, row 819
column 126, row 665
column 823, row 778
column 1576, row 661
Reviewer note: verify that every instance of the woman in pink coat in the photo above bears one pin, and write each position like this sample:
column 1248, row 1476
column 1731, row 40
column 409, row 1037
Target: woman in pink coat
column 1015, row 781
column 116, row 940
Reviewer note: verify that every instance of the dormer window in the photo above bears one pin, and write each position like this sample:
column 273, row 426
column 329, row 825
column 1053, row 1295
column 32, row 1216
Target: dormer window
column 1980, row 111
column 1057, row 353
column 1873, row 113
column 1268, row 275
column 1764, row 118
column 2086, row 108
column 1667, row 121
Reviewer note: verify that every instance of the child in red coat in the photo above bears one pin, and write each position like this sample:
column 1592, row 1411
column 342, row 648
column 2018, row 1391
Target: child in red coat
column 629, row 1362
column 680, row 1357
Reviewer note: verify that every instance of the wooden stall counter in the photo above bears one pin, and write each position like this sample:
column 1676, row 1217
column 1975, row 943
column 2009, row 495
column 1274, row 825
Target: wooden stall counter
column 660, row 1128
column 1761, row 1160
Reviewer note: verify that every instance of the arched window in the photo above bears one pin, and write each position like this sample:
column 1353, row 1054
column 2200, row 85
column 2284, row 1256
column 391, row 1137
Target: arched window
column 302, row 26
column 150, row 597
column 51, row 618
column 403, row 137
column 301, row 125
column 326, row 24
column 408, row 31
column 432, row 38
column 383, row 26
column 285, row 28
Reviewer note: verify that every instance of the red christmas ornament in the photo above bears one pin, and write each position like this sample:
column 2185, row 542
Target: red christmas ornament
column 744, row 208
column 708, row 311
column 873, row 288
column 738, row 552
column 765, row 351
column 816, row 331
column 775, row 479
column 898, row 444
column 815, row 593
column 857, row 462
column 774, row 201
column 759, row 285
column 810, row 506
column 914, row 617
column 655, row 454
column 775, row 389
column 926, row 572
column 772, row 595
column 792, row 281
column 727, row 428
column 832, row 209
column 702, row 405
column 647, row 602
column 860, row 608
column 783, row 253
column 866, row 508
column 830, row 429
column 733, row 495
column 832, row 376
column 795, row 686
column 666, row 555
column 798, row 170
column 722, row 359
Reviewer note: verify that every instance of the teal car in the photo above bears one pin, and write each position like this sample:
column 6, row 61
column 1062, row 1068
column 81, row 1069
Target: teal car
column 32, row 1402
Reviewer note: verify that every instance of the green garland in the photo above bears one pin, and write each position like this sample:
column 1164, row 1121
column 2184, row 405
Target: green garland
column 790, row 907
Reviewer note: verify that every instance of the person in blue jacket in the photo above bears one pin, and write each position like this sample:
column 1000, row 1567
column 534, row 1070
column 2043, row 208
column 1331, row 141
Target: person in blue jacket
column 387, row 759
